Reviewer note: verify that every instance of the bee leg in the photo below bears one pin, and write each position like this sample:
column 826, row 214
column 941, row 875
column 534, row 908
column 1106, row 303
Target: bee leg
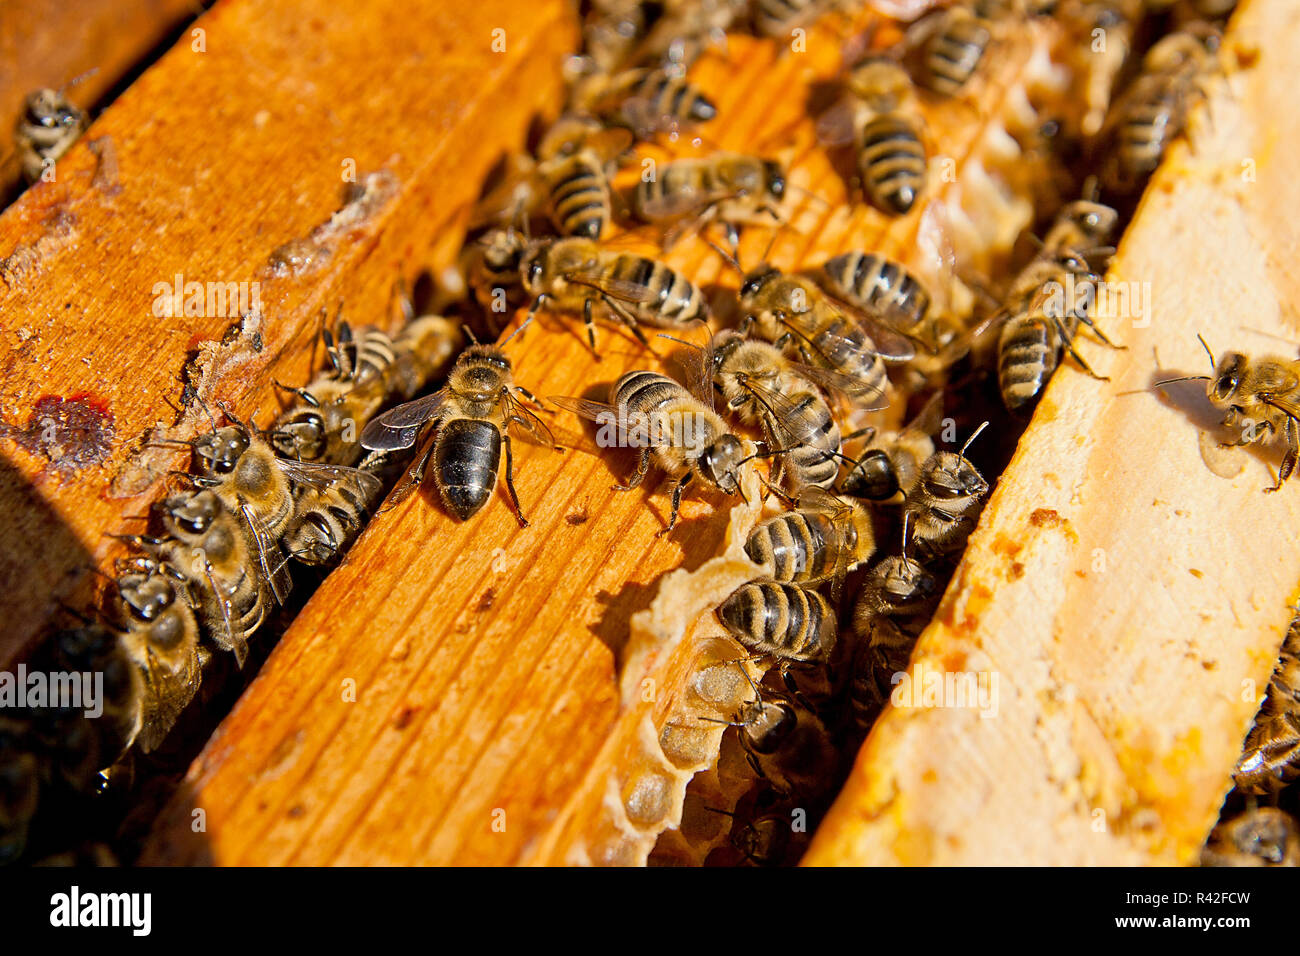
column 745, row 324
column 1067, row 341
column 510, row 481
column 755, row 765
column 628, row 318
column 590, row 322
column 1292, row 454
column 1096, row 330
column 531, row 397
column 677, row 503
column 641, row 470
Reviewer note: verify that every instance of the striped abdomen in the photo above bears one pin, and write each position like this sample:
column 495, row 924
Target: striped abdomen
column 953, row 55
column 777, row 17
column 680, row 187
column 1153, row 119
column 658, row 98
column 813, row 439
column 878, row 285
column 326, row 522
column 841, row 345
column 802, row 547
column 673, row 299
column 783, row 620
column 368, row 354
column 579, row 195
column 891, row 161
column 1028, row 352
column 466, row 459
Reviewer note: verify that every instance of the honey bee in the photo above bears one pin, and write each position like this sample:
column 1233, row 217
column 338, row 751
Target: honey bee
column 576, row 274
column 795, row 315
column 328, row 517
column 493, row 266
column 726, row 187
column 46, row 130
column 768, row 840
column 161, row 638
column 1262, row 396
column 206, row 544
column 945, row 503
column 1271, row 758
column 823, row 539
column 788, row 745
column 765, row 387
column 880, row 287
column 1040, row 323
column 678, row 431
column 891, row 461
column 612, row 31
column 575, row 156
column 1264, row 836
column 645, row 100
column 951, row 47
column 466, row 423
column 687, row 28
column 422, row 350
column 783, row 620
column 897, row 598
column 1152, row 112
column 891, row 153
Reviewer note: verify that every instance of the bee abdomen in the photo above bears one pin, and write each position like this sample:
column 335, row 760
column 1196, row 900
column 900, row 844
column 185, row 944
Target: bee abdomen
column 892, row 163
column 579, row 197
column 466, row 457
column 878, row 284
column 795, row 545
column 954, row 54
column 676, row 98
column 1027, row 356
column 674, row 298
column 783, row 620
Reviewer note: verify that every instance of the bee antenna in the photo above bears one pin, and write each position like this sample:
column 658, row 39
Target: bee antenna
column 727, row 257
column 523, row 325
column 473, row 339
column 206, row 410
column 973, row 435
column 1183, row 378
column 725, row 813
column 80, row 78
column 1205, row 345
column 907, row 522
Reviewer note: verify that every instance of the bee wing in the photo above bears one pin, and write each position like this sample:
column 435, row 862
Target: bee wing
column 813, row 498
column 859, row 390
column 268, row 550
column 400, row 427
column 929, row 418
column 605, row 414
column 890, row 344
column 521, row 417
column 788, row 420
column 235, row 643
column 413, row 476
column 319, row 476
column 170, row 692
column 1285, row 405
column 516, row 197
column 619, row 289
column 837, row 126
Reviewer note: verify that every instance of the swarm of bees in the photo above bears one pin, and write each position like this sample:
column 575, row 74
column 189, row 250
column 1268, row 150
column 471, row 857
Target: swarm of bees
column 866, row 522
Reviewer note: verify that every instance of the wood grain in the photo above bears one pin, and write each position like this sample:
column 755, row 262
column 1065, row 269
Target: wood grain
column 496, row 717
column 1129, row 599
column 216, row 166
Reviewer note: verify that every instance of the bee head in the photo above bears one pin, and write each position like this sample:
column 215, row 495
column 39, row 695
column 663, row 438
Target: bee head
column 767, row 725
column 755, row 280
column 1227, row 378
column 192, row 513
column 49, row 109
column 302, row 438
column 219, row 451
column 719, row 465
column 1094, row 220
column 905, row 584
column 775, row 177
column 147, row 598
column 954, row 477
